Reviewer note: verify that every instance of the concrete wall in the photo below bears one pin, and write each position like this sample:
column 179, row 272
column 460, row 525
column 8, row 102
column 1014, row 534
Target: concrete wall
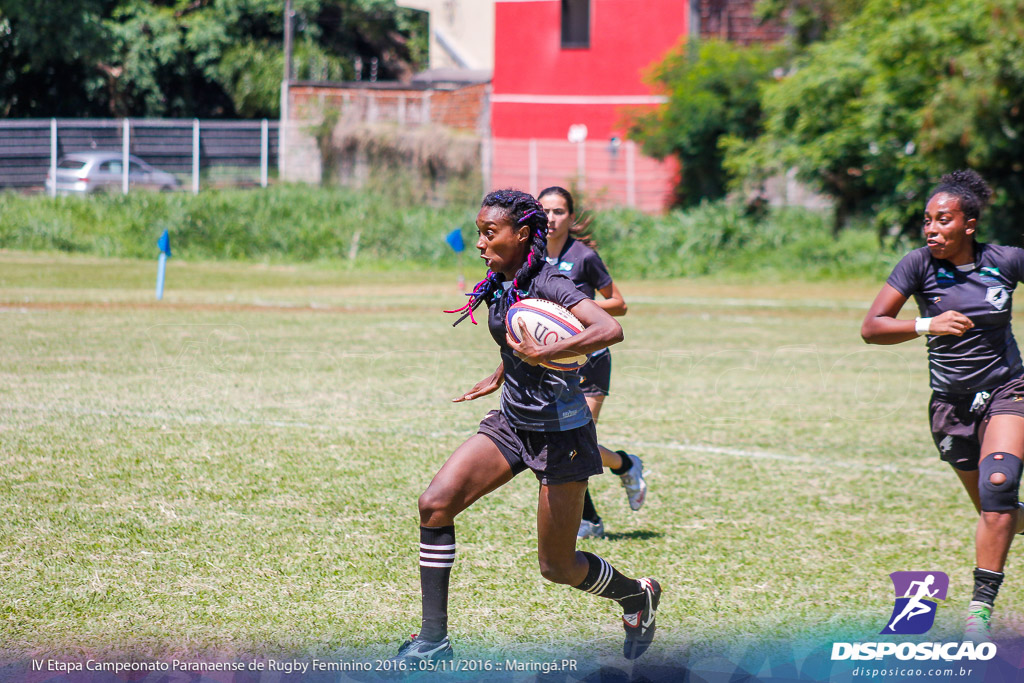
column 461, row 32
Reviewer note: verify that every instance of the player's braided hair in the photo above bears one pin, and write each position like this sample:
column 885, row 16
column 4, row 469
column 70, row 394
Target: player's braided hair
column 580, row 229
column 522, row 209
column 969, row 188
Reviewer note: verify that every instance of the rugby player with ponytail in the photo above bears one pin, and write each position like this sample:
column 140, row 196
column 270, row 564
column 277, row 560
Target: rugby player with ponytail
column 543, row 425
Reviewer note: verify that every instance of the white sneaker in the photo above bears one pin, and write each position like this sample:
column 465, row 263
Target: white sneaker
column 633, row 481
column 590, row 529
column 979, row 615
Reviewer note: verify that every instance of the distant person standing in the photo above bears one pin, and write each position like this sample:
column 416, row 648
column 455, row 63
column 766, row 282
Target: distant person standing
column 572, row 251
column 963, row 289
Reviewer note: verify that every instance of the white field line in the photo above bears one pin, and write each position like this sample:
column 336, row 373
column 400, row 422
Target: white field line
column 803, row 460
column 795, row 459
column 751, row 303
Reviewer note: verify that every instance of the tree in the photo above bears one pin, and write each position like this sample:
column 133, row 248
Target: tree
column 188, row 57
column 902, row 93
column 713, row 91
column 807, row 21
column 47, row 52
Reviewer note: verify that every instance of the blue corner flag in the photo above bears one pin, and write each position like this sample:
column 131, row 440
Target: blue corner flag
column 165, row 252
column 164, row 243
column 454, row 240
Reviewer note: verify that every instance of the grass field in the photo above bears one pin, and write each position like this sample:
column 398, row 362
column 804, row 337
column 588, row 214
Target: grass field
column 234, row 470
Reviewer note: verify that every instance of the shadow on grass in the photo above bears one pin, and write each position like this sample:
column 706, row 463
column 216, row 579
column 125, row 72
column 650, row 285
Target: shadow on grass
column 638, row 535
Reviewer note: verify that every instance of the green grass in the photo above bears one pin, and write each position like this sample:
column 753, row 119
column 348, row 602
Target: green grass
column 357, row 231
column 234, row 470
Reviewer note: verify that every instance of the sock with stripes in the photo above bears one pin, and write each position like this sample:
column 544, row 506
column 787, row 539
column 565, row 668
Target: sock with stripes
column 605, row 581
column 437, row 555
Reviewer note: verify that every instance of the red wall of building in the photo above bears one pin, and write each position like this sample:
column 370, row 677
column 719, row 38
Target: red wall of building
column 540, row 89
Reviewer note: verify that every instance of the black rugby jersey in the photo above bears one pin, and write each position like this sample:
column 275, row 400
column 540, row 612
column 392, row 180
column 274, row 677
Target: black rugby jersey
column 534, row 398
column 583, row 266
column 986, row 356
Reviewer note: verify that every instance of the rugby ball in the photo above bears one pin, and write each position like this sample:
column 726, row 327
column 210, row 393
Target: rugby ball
column 547, row 322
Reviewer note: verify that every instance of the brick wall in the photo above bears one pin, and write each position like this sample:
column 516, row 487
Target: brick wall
column 463, row 108
column 734, row 20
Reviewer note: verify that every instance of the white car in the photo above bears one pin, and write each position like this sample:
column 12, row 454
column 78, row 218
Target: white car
column 91, row 172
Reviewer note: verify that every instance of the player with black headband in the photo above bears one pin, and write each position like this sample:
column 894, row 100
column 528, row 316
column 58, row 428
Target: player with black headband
column 964, row 289
column 573, row 252
column 543, row 425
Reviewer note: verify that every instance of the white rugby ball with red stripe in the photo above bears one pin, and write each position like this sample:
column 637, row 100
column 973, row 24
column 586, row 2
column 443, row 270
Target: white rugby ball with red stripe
column 546, row 322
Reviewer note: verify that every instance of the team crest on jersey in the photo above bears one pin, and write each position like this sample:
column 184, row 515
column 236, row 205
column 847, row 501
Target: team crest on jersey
column 944, row 274
column 989, row 275
column 998, row 297
column 566, row 266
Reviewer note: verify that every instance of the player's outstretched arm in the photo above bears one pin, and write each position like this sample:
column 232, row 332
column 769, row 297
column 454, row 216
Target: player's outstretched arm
column 488, row 385
column 880, row 325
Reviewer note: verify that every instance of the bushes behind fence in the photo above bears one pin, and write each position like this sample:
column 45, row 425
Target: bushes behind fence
column 300, row 223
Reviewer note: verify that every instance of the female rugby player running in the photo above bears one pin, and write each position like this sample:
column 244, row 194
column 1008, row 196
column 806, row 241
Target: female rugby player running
column 963, row 290
column 544, row 425
column 572, row 252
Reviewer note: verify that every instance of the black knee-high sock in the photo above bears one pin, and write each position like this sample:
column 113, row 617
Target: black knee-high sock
column 589, row 511
column 437, row 555
column 986, row 585
column 605, row 581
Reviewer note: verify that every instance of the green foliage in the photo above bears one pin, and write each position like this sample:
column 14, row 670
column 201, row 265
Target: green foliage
column 287, row 223
column 188, row 58
column 903, row 93
column 713, row 91
column 301, row 224
column 719, row 238
column 808, row 21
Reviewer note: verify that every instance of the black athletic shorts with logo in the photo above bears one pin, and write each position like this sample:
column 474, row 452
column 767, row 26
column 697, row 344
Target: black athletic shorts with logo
column 956, row 418
column 596, row 375
column 554, row 457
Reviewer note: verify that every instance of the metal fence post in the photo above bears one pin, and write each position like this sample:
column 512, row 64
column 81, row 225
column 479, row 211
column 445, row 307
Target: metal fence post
column 630, row 173
column 125, row 140
column 581, row 163
column 264, row 151
column 195, row 156
column 533, row 166
column 485, row 162
column 53, row 156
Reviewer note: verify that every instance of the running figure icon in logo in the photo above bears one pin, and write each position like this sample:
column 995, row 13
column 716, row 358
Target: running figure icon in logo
column 916, row 601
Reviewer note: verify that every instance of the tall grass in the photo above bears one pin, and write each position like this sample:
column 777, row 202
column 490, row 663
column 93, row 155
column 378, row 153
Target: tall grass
column 304, row 224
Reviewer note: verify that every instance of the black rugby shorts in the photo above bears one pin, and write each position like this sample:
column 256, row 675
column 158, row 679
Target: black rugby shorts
column 554, row 457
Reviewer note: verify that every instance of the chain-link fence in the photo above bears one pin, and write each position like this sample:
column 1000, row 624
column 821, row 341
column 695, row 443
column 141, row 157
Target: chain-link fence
column 198, row 153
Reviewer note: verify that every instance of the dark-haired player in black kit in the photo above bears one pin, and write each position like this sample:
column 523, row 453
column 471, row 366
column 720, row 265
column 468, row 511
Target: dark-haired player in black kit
column 964, row 289
column 543, row 425
column 572, row 251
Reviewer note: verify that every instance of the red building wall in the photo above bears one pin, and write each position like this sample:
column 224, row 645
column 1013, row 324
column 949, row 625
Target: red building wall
column 540, row 89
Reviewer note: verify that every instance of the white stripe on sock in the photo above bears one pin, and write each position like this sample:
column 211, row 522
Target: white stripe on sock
column 604, row 577
column 425, row 546
column 438, row 556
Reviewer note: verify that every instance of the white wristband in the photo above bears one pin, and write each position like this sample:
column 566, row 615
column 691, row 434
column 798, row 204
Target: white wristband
column 922, row 325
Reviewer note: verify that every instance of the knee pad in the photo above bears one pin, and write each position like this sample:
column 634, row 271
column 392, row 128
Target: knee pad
column 999, row 497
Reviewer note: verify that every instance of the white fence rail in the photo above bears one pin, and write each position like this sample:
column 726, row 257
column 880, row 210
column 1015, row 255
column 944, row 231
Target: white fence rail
column 201, row 153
